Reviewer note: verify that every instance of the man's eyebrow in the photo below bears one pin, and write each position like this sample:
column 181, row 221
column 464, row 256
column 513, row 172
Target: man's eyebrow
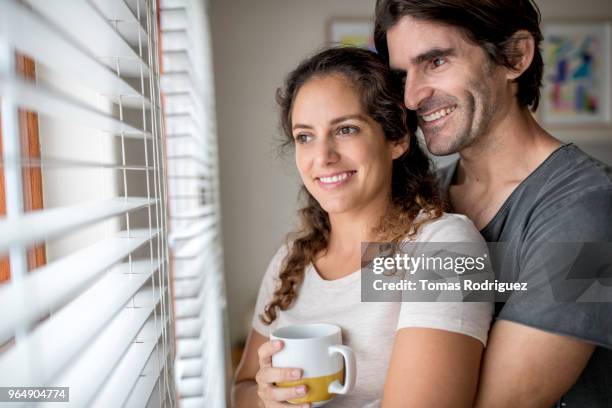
column 335, row 121
column 433, row 53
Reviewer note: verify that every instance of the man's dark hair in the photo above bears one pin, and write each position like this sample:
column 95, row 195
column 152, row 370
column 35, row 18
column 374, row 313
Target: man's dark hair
column 491, row 24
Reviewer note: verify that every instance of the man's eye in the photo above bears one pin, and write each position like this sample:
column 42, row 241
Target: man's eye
column 302, row 138
column 347, row 130
column 438, row 62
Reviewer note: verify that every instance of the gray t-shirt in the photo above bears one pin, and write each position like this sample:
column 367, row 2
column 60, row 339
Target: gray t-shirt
column 567, row 199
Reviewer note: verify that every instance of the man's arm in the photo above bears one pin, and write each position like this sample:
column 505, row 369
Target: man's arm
column 528, row 368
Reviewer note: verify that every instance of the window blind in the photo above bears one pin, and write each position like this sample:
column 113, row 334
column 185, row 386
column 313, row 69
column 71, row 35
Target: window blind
column 97, row 316
column 200, row 313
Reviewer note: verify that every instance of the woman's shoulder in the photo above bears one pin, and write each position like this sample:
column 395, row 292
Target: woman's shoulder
column 449, row 227
column 277, row 259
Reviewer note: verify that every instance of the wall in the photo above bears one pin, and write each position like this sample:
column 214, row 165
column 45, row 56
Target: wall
column 255, row 44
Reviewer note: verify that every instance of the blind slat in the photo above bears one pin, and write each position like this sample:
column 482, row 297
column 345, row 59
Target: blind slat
column 37, row 359
column 90, row 29
column 195, row 213
column 188, row 308
column 189, row 367
column 166, row 4
column 48, row 102
column 193, row 268
column 194, row 230
column 128, row 24
column 186, row 288
column 174, row 41
column 177, row 61
column 191, row 387
column 194, row 402
column 174, row 19
column 39, row 225
column 25, row 31
column 189, row 327
column 146, row 381
column 54, row 284
column 117, row 388
column 189, row 348
column 193, row 248
column 86, row 387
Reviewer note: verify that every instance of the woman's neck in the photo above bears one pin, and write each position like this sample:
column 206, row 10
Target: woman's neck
column 350, row 229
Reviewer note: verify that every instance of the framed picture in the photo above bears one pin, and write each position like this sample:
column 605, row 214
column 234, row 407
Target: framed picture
column 577, row 69
column 355, row 31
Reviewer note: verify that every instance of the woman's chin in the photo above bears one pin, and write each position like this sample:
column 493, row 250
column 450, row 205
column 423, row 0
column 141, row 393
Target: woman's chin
column 335, row 207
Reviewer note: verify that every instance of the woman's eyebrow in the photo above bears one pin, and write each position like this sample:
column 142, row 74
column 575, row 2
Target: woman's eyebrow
column 300, row 126
column 357, row 116
column 335, row 121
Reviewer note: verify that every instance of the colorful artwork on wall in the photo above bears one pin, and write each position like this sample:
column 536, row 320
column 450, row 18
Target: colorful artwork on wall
column 577, row 74
column 358, row 32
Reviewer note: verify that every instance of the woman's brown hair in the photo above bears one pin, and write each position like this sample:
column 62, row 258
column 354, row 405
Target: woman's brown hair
column 413, row 184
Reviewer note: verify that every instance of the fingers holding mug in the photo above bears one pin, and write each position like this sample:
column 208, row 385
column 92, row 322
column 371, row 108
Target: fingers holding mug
column 269, row 394
column 266, row 350
column 272, row 396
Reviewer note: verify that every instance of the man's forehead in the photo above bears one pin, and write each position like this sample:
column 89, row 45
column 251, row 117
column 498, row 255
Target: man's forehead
column 411, row 37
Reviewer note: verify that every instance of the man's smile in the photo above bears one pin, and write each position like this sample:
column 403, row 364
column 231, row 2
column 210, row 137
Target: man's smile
column 438, row 114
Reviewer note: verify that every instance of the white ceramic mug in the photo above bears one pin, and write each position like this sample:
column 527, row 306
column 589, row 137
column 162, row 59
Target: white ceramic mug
column 317, row 349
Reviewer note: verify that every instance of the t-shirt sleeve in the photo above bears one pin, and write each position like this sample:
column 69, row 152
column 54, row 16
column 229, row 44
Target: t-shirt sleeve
column 266, row 291
column 469, row 318
column 566, row 261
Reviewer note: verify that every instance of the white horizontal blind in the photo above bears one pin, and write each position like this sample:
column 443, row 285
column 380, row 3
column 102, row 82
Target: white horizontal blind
column 97, row 317
column 187, row 85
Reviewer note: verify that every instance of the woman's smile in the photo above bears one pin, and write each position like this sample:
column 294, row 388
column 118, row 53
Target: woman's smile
column 335, row 180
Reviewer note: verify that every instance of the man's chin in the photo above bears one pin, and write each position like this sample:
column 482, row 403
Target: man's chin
column 437, row 146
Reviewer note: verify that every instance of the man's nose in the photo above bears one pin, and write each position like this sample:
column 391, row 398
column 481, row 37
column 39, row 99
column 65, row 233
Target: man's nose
column 416, row 90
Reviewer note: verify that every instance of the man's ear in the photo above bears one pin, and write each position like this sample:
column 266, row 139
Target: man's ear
column 520, row 51
column 399, row 147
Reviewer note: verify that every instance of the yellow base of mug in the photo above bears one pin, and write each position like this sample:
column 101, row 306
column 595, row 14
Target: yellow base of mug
column 316, row 387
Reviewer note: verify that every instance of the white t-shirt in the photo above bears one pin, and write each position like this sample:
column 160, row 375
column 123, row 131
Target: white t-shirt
column 369, row 327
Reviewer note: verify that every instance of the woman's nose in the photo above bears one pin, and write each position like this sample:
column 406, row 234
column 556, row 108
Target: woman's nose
column 327, row 153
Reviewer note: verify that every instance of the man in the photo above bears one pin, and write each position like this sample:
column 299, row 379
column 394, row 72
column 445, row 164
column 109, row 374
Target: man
column 472, row 70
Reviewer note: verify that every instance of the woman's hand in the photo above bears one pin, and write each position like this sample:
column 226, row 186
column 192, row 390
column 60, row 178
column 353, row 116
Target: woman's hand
column 270, row 395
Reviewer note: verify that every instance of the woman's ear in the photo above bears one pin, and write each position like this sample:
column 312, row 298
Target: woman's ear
column 521, row 48
column 399, row 147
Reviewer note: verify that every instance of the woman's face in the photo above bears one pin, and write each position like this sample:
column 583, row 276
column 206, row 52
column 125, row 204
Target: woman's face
column 341, row 153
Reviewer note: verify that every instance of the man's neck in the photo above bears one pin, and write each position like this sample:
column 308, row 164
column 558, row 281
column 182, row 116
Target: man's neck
column 509, row 153
column 496, row 164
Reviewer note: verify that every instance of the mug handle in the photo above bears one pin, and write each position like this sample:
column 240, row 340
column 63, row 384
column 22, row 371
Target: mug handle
column 349, row 376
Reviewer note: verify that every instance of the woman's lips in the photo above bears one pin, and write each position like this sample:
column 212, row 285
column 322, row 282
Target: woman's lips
column 332, row 181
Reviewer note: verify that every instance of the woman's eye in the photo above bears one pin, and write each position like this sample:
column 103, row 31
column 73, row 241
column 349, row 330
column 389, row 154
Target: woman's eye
column 302, row 138
column 347, row 130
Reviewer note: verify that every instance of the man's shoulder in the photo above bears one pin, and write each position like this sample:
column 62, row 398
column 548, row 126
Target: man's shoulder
column 569, row 181
column 571, row 168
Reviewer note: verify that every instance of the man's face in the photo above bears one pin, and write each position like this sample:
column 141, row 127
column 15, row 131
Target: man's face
column 451, row 83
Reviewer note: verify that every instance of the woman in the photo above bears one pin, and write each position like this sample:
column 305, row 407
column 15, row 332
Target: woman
column 365, row 179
